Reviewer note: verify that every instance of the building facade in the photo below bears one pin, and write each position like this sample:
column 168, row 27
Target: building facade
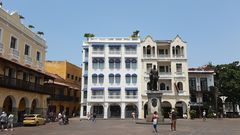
column 111, row 81
column 201, row 97
column 66, row 87
column 116, row 73
column 22, row 75
column 170, row 59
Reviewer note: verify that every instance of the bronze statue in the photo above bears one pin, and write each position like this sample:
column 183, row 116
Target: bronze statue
column 153, row 76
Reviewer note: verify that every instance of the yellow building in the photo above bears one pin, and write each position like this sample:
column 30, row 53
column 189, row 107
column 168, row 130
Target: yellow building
column 67, row 86
column 22, row 76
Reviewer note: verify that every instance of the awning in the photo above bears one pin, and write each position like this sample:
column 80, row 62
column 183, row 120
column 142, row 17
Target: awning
column 114, row 45
column 114, row 88
column 97, row 44
column 131, row 89
column 85, row 75
column 84, row 89
column 97, row 88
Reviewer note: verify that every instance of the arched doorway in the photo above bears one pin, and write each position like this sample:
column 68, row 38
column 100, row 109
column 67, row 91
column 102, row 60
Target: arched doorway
column 34, row 106
column 114, row 111
column 22, row 109
column 8, row 104
column 181, row 108
column 98, row 110
column 166, row 108
column 129, row 109
column 145, row 109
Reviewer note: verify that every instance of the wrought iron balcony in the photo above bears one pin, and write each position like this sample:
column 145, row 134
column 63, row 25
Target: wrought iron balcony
column 14, row 53
column 1, row 48
column 28, row 60
column 22, row 85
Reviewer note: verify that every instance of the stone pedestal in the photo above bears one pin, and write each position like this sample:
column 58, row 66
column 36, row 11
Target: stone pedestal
column 154, row 104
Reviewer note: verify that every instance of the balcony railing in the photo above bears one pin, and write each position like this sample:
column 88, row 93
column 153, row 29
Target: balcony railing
column 130, row 52
column 98, row 52
column 114, row 52
column 27, row 60
column 14, row 53
column 62, row 97
column 163, row 56
column 1, row 48
column 97, row 96
column 131, row 96
column 178, row 56
column 19, row 84
column 39, row 65
column 114, row 96
column 148, row 55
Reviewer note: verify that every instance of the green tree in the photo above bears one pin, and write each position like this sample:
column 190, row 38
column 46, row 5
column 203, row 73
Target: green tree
column 88, row 35
column 227, row 80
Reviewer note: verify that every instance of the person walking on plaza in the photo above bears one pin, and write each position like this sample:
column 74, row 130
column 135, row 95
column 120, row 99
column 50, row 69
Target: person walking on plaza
column 60, row 118
column 94, row 117
column 173, row 120
column 204, row 115
column 88, row 116
column 3, row 120
column 155, row 121
column 133, row 115
column 10, row 121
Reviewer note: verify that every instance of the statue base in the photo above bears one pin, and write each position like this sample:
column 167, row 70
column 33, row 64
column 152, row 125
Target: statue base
column 154, row 104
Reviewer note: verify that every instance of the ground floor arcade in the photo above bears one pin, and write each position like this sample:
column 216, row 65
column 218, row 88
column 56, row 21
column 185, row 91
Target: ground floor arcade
column 111, row 110
column 21, row 102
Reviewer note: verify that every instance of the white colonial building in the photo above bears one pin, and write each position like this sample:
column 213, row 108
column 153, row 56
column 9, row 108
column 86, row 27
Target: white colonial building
column 115, row 75
column 170, row 59
column 111, row 77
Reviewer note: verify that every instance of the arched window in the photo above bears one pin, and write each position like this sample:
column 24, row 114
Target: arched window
column 101, row 78
column 101, row 63
column 162, row 86
column 95, row 63
column 182, row 51
column 128, row 63
column 177, row 50
column 134, row 78
column 148, row 49
column 134, row 63
column 144, row 50
column 94, row 78
column 173, row 50
column 118, row 78
column 111, row 78
column 128, row 78
column 111, row 63
column 117, row 63
column 180, row 85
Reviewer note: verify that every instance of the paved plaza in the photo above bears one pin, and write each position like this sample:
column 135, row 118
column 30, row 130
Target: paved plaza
column 128, row 127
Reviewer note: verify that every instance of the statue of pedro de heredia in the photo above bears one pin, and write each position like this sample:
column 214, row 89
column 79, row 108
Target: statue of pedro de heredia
column 153, row 76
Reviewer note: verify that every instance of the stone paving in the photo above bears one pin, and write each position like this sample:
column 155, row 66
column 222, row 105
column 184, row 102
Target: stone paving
column 128, row 127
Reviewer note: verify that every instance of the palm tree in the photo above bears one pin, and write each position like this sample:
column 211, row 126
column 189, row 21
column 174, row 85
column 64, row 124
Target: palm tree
column 40, row 33
column 89, row 35
column 31, row 26
column 135, row 34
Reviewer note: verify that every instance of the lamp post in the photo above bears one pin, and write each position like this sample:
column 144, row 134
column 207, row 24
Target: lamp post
column 223, row 100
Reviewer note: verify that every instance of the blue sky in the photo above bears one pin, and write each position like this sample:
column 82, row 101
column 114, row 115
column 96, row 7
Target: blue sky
column 210, row 27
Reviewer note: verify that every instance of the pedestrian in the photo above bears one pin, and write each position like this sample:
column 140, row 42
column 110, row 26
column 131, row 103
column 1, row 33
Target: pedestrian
column 60, row 118
column 88, row 116
column 174, row 120
column 133, row 115
column 3, row 120
column 204, row 115
column 10, row 121
column 94, row 117
column 155, row 121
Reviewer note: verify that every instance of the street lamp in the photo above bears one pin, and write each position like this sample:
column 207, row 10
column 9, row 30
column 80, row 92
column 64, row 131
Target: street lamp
column 223, row 101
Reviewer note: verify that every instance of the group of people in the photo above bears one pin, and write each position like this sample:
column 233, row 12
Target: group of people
column 6, row 121
column 62, row 118
column 92, row 116
column 172, row 116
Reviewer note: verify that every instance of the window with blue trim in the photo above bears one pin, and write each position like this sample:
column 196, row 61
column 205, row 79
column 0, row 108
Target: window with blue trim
column 117, row 78
column 111, row 78
column 128, row 78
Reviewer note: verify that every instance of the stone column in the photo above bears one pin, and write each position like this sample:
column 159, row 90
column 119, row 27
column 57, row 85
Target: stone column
column 15, row 113
column 123, row 111
column 81, row 111
column 105, row 116
column 27, row 111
